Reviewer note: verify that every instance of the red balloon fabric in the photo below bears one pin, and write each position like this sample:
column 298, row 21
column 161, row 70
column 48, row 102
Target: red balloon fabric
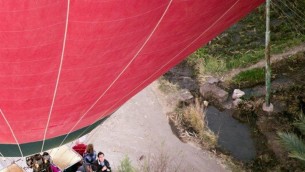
column 67, row 64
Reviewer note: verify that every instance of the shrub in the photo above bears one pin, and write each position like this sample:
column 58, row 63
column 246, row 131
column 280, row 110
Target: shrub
column 192, row 118
column 294, row 144
column 126, row 166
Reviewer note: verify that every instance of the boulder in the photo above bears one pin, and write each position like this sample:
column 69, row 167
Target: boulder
column 237, row 93
column 205, row 103
column 187, row 83
column 213, row 91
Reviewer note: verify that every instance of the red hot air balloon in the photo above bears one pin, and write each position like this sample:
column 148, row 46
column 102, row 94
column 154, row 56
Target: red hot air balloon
column 65, row 65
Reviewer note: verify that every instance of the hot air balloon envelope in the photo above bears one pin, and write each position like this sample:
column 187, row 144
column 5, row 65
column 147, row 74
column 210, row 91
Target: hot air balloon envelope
column 65, row 65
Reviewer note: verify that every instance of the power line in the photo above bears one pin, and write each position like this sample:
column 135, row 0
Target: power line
column 295, row 10
column 295, row 24
column 296, row 18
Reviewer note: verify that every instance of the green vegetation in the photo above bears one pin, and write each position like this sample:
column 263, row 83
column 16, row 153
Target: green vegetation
column 243, row 44
column 294, row 144
column 249, row 77
column 167, row 87
column 125, row 165
column 191, row 118
column 214, row 65
column 160, row 161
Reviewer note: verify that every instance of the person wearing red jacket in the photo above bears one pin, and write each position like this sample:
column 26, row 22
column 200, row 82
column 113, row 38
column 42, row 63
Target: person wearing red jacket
column 80, row 148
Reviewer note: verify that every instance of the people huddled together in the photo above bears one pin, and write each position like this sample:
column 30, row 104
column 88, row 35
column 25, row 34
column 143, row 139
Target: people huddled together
column 91, row 162
column 41, row 163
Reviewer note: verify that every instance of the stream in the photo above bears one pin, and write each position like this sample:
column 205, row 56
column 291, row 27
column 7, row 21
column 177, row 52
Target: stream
column 233, row 136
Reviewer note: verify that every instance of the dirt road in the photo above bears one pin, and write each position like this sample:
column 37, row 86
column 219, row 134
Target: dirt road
column 140, row 129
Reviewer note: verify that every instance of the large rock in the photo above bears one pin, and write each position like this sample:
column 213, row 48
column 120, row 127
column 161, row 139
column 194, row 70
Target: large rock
column 186, row 82
column 185, row 95
column 213, row 91
column 237, row 93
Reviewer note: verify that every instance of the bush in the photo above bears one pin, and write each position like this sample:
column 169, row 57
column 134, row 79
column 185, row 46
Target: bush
column 192, row 119
column 126, row 166
column 294, row 144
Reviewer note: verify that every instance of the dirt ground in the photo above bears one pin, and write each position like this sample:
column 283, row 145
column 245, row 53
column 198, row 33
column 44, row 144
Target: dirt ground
column 140, row 130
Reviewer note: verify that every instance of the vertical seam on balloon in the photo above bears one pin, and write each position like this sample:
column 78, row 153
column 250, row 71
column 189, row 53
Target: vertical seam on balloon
column 173, row 57
column 135, row 56
column 9, row 126
column 58, row 75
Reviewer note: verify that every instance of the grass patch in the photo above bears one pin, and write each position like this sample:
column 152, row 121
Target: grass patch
column 191, row 118
column 243, row 44
column 249, row 78
column 125, row 165
column 284, row 45
column 167, row 87
column 243, row 60
column 214, row 65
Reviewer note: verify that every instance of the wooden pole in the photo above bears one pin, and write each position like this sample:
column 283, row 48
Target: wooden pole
column 267, row 57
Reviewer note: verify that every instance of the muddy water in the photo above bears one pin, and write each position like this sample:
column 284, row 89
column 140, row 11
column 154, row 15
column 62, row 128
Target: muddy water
column 233, row 136
column 281, row 82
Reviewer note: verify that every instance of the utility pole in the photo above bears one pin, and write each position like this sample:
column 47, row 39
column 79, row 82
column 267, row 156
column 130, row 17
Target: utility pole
column 267, row 106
